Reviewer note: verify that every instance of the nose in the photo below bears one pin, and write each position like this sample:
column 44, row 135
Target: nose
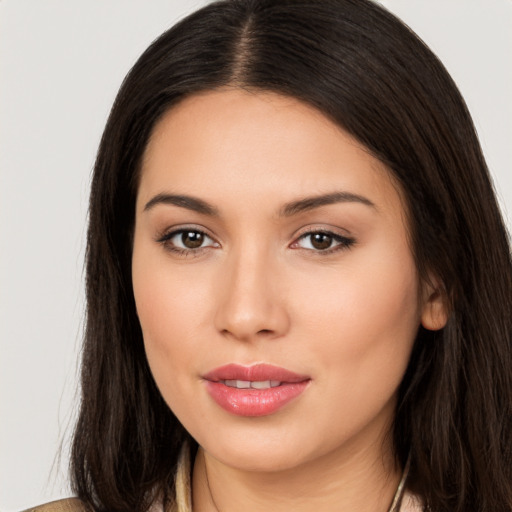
column 251, row 300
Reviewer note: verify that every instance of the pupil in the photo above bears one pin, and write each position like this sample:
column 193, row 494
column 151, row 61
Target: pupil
column 321, row 241
column 192, row 239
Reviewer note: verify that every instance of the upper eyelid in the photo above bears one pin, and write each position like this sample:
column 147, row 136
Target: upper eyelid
column 173, row 230
column 324, row 232
column 336, row 236
column 336, row 231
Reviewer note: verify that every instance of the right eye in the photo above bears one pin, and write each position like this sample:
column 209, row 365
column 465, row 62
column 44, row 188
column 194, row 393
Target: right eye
column 187, row 240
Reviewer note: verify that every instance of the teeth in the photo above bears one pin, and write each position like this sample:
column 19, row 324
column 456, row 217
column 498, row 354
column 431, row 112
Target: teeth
column 240, row 384
column 265, row 384
column 246, row 384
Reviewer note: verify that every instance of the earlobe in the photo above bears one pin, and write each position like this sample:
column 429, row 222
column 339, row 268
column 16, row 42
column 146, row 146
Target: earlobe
column 434, row 314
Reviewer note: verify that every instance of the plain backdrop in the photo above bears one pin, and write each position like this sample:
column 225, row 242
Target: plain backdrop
column 61, row 63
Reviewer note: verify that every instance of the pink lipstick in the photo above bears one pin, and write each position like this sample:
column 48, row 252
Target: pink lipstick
column 257, row 390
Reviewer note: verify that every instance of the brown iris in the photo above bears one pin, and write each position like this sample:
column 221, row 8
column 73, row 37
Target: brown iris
column 192, row 239
column 321, row 241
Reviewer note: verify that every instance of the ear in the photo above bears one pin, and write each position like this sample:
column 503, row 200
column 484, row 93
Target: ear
column 434, row 314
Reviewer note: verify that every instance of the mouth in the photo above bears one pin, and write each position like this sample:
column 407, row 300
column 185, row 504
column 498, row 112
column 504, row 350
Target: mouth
column 257, row 390
column 247, row 384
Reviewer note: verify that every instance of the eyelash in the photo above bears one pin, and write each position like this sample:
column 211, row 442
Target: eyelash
column 341, row 242
column 166, row 238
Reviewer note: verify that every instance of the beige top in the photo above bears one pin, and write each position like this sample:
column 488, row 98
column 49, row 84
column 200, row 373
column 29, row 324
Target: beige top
column 67, row 505
column 409, row 504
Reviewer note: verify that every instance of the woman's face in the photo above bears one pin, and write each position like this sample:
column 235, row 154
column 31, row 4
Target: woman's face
column 274, row 283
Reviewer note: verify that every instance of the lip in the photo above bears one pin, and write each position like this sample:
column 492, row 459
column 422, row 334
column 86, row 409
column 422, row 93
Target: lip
column 250, row 401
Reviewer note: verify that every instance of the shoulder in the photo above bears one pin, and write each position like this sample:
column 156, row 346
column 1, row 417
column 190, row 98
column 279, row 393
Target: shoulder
column 67, row 505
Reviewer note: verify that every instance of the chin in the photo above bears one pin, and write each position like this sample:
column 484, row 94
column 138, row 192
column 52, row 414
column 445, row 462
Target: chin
column 255, row 449
column 258, row 459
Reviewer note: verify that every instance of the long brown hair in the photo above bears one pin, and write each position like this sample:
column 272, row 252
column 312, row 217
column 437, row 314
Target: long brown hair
column 365, row 70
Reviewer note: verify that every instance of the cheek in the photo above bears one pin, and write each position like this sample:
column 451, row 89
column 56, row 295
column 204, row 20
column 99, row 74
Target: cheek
column 175, row 307
column 170, row 309
column 168, row 349
column 365, row 325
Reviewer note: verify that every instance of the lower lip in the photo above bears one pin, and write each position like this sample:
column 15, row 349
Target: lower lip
column 254, row 402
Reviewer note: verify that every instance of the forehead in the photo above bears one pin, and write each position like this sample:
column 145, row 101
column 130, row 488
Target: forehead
column 251, row 145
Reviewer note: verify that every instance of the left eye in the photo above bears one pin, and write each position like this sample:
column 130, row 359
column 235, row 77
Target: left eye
column 323, row 241
column 188, row 239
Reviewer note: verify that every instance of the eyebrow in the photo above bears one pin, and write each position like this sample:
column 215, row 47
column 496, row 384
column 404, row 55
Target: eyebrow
column 183, row 201
column 288, row 210
column 310, row 203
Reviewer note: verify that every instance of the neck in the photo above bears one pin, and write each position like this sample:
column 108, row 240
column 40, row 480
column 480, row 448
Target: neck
column 364, row 481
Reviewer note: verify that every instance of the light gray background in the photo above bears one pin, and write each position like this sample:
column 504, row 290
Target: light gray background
column 61, row 63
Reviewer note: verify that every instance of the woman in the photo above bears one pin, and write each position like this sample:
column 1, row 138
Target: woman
column 298, row 280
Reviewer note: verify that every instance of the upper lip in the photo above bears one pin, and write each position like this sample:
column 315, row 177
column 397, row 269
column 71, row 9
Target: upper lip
column 254, row 373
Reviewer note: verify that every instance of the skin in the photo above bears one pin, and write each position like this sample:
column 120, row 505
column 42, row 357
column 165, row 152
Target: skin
column 258, row 290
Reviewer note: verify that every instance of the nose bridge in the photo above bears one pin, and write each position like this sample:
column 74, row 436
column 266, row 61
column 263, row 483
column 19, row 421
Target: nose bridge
column 251, row 302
